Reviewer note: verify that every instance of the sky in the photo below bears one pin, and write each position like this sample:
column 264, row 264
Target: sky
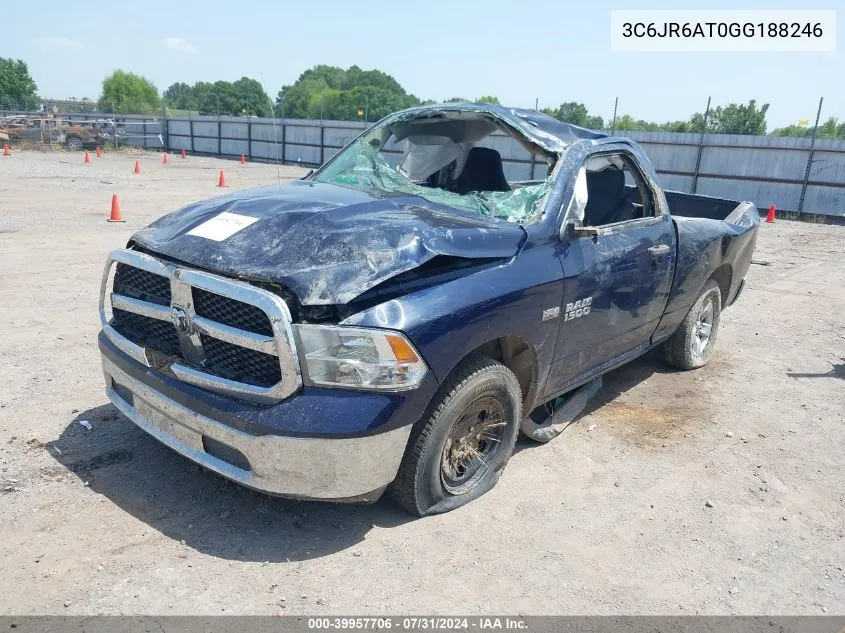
column 549, row 51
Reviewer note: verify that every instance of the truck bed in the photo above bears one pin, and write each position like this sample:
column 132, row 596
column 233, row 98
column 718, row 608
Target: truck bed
column 690, row 205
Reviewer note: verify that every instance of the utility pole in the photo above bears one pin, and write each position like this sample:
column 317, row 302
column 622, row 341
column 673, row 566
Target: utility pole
column 282, row 98
column 700, row 147
column 115, row 126
column 613, row 124
column 810, row 157
column 322, row 134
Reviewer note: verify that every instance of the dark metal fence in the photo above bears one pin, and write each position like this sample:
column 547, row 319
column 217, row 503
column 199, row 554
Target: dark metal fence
column 797, row 174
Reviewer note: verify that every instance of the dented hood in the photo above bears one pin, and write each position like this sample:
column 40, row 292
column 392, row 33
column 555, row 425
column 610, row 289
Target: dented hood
column 327, row 243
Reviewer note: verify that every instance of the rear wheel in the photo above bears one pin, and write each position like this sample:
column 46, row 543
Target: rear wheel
column 73, row 143
column 691, row 346
column 458, row 451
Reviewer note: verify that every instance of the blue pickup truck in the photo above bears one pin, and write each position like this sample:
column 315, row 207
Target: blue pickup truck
column 389, row 321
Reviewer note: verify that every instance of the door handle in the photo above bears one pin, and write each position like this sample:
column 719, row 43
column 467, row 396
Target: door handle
column 659, row 251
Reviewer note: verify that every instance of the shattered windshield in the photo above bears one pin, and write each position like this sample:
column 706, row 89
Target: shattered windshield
column 363, row 166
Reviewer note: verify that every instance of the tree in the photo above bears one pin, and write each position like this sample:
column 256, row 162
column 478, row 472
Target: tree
column 179, row 96
column 129, row 93
column 244, row 96
column 203, row 98
column 250, row 98
column 792, row 130
column 488, row 99
column 681, row 126
column 297, row 100
column 738, row 119
column 576, row 114
column 732, row 118
column 627, row 123
column 571, row 112
column 832, row 128
column 330, row 92
column 17, row 88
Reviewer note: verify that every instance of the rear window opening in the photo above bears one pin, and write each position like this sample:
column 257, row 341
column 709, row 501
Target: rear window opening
column 616, row 191
column 452, row 158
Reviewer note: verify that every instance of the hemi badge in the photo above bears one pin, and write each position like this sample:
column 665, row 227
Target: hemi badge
column 551, row 313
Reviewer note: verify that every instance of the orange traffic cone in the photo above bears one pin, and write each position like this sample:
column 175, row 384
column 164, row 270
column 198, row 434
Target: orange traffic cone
column 99, row 152
column 6, row 150
column 183, row 153
column 115, row 210
column 243, row 159
column 221, row 181
column 771, row 216
column 87, row 158
column 137, row 167
column 164, row 159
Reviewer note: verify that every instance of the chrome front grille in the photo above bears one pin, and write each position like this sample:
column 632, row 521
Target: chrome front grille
column 231, row 312
column 147, row 332
column 238, row 363
column 140, row 284
column 209, row 331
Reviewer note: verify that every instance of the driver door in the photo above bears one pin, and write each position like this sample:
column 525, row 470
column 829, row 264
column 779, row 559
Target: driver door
column 618, row 257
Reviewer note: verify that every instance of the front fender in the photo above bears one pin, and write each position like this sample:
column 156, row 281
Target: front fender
column 449, row 321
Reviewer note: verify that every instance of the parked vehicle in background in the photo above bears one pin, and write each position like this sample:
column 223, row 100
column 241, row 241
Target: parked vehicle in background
column 33, row 129
column 389, row 321
column 51, row 130
column 81, row 135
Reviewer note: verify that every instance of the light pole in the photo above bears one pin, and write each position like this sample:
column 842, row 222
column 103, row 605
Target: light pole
column 113, row 118
column 282, row 100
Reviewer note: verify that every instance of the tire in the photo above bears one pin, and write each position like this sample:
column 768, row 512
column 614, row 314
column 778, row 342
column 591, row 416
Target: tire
column 691, row 346
column 447, row 462
column 74, row 143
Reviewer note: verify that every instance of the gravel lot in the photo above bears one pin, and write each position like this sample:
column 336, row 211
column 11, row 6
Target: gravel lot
column 612, row 517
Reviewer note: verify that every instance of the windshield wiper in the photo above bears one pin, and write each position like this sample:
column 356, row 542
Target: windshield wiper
column 376, row 171
column 484, row 203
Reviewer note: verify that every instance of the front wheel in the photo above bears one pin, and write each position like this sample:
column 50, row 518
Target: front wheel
column 458, row 450
column 691, row 346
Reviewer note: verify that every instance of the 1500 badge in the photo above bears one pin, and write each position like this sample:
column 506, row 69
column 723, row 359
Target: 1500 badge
column 578, row 309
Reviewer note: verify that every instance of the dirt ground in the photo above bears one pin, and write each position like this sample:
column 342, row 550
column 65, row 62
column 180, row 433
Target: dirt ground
column 612, row 517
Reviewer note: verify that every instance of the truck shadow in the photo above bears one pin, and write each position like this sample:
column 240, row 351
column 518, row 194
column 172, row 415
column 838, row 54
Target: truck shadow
column 624, row 378
column 837, row 370
column 614, row 384
column 216, row 517
column 202, row 510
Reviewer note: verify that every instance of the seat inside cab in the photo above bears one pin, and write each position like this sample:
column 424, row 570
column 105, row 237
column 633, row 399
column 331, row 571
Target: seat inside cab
column 453, row 152
column 614, row 191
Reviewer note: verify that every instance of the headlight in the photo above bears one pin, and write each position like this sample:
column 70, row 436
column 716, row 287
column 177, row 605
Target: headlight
column 357, row 357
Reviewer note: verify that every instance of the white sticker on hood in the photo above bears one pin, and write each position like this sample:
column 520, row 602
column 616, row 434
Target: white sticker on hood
column 222, row 226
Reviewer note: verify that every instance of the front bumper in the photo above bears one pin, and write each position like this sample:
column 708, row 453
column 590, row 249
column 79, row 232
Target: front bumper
column 355, row 468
